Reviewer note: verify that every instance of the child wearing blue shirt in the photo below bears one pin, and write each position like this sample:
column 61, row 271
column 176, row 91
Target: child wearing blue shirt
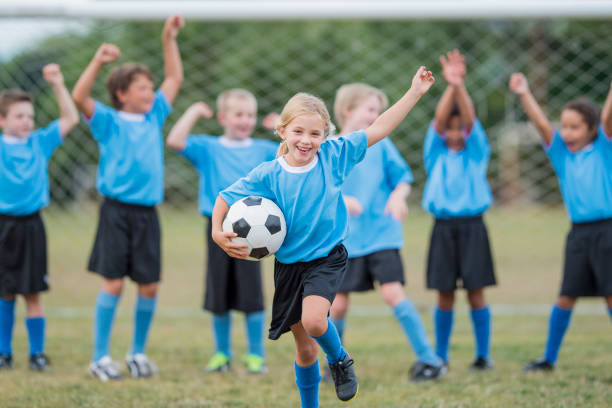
column 24, row 191
column 375, row 194
column 305, row 182
column 220, row 161
column 131, row 179
column 457, row 193
column 581, row 155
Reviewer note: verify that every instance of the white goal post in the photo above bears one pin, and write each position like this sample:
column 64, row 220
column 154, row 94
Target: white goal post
column 308, row 9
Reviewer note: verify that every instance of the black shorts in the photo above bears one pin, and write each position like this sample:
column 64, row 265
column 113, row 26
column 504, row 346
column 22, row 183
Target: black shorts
column 127, row 243
column 382, row 266
column 23, row 255
column 588, row 260
column 293, row 282
column 459, row 251
column 231, row 283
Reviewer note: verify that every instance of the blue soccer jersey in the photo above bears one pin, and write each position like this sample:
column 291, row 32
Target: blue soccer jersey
column 585, row 177
column 221, row 161
column 457, row 180
column 309, row 196
column 131, row 168
column 24, row 174
column 371, row 182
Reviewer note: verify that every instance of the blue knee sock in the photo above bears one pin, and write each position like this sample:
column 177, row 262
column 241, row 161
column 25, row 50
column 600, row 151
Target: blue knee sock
column 610, row 312
column 330, row 343
column 143, row 316
column 481, row 321
column 36, row 334
column 255, row 327
column 222, row 324
column 340, row 325
column 307, row 380
column 557, row 326
column 408, row 317
column 7, row 321
column 106, row 304
column 443, row 322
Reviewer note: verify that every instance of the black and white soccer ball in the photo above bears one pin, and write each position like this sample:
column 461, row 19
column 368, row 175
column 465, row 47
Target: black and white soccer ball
column 259, row 223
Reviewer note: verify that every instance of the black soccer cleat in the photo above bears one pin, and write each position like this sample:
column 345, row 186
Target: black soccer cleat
column 39, row 362
column 344, row 378
column 6, row 361
column 426, row 372
column 539, row 365
column 481, row 364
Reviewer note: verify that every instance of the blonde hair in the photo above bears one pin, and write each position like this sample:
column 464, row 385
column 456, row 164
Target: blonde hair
column 224, row 98
column 349, row 96
column 303, row 104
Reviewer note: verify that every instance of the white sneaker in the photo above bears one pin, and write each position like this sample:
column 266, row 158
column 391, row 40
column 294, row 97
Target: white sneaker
column 105, row 369
column 140, row 366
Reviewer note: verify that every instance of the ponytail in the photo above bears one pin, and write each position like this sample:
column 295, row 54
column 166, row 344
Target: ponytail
column 283, row 149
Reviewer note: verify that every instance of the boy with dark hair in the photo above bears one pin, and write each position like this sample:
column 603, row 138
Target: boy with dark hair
column 24, row 190
column 130, row 177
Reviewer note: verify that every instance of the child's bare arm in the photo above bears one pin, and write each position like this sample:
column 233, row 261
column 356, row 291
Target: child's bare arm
column 454, row 71
column 81, row 93
column 444, row 108
column 606, row 114
column 224, row 239
column 173, row 66
column 181, row 129
column 392, row 117
column 466, row 107
column 69, row 117
column 520, row 86
column 396, row 204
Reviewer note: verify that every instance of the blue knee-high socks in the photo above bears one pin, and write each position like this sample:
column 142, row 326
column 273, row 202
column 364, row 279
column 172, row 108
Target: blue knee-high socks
column 481, row 321
column 222, row 324
column 557, row 326
column 255, row 328
column 7, row 322
column 106, row 305
column 36, row 334
column 610, row 312
column 307, row 380
column 144, row 311
column 340, row 326
column 443, row 323
column 408, row 317
column 330, row 343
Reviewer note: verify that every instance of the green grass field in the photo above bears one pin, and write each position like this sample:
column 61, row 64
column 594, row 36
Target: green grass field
column 527, row 244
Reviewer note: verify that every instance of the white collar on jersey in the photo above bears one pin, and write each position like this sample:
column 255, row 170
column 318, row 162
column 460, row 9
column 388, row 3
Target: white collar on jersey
column 132, row 117
column 227, row 142
column 298, row 169
column 8, row 139
column 587, row 148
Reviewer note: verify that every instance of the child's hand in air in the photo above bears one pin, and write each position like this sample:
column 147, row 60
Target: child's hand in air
column 202, row 110
column 353, row 206
column 270, row 121
column 107, row 53
column 518, row 84
column 397, row 207
column 422, row 81
column 453, row 67
column 53, row 74
column 224, row 240
column 173, row 26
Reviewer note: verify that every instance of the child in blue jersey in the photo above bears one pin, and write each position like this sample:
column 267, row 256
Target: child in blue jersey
column 131, row 179
column 457, row 193
column 220, row 161
column 375, row 194
column 581, row 155
column 24, row 191
column 305, row 182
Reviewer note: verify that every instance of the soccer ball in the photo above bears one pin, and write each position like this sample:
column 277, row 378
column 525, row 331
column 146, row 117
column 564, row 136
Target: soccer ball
column 259, row 223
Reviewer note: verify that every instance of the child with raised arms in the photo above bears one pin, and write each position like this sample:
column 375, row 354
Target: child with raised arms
column 231, row 284
column 375, row 195
column 457, row 194
column 131, row 180
column 305, row 182
column 581, row 155
column 24, row 190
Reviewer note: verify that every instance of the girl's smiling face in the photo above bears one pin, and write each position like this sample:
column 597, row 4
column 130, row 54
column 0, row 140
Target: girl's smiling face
column 575, row 131
column 303, row 136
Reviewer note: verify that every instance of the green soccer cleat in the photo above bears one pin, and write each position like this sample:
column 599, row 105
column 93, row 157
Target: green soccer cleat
column 219, row 363
column 255, row 364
